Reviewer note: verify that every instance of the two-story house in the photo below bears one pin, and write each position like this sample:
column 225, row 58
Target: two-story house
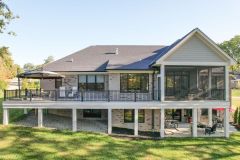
column 135, row 86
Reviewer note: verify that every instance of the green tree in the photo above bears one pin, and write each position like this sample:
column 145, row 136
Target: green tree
column 232, row 47
column 29, row 66
column 238, row 115
column 6, row 16
column 48, row 59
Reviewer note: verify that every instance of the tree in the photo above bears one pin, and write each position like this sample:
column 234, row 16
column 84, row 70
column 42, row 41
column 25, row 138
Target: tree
column 232, row 47
column 6, row 16
column 48, row 59
column 238, row 115
column 29, row 67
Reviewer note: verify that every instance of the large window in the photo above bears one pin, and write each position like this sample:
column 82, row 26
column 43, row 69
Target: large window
column 134, row 82
column 91, row 82
column 129, row 116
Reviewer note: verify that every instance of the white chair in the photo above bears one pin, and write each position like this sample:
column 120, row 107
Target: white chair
column 62, row 92
column 73, row 92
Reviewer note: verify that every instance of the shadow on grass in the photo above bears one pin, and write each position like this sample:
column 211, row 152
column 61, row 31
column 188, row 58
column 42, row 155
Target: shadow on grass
column 32, row 143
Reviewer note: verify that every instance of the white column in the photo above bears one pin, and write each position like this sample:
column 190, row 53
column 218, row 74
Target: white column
column 40, row 118
column 25, row 111
column 210, row 117
column 226, row 122
column 74, row 119
column 136, row 122
column 210, row 82
column 226, row 83
column 194, row 122
column 109, row 121
column 182, row 115
column 162, row 123
column 162, row 71
column 199, row 113
column 5, row 116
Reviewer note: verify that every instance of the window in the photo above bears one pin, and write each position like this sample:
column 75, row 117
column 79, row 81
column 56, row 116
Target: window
column 58, row 83
column 134, row 82
column 92, row 113
column 91, row 82
column 129, row 116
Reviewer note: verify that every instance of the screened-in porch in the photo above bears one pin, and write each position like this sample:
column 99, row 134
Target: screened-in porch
column 194, row 83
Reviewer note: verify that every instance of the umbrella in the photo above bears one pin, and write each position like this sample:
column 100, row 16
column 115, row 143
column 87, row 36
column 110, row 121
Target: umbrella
column 40, row 75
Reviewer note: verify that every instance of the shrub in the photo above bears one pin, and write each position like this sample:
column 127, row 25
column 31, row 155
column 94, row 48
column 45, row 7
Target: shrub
column 235, row 116
column 3, row 85
column 238, row 115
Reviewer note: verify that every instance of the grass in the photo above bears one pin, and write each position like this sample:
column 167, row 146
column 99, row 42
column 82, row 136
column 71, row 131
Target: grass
column 236, row 92
column 32, row 143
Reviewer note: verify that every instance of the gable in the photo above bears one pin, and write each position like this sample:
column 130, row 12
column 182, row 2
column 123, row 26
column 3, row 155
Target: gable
column 195, row 50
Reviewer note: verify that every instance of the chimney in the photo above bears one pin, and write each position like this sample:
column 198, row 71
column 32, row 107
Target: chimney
column 117, row 51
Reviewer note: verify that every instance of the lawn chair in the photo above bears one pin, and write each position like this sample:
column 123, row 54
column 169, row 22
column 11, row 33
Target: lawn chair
column 211, row 130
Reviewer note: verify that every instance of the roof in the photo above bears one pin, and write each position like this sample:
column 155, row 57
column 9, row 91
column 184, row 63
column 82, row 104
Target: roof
column 104, row 57
column 123, row 57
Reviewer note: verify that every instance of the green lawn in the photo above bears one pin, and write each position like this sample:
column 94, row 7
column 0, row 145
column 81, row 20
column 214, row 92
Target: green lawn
column 236, row 92
column 31, row 143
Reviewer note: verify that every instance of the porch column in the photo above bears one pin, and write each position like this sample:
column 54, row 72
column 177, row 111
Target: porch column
column 226, row 83
column 5, row 116
column 226, row 122
column 25, row 111
column 194, row 122
column 162, row 123
column 182, row 115
column 136, row 122
column 210, row 117
column 162, row 84
column 199, row 113
column 40, row 117
column 209, row 82
column 74, row 119
column 109, row 121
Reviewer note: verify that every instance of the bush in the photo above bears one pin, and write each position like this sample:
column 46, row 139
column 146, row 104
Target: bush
column 239, row 115
column 235, row 116
column 3, row 85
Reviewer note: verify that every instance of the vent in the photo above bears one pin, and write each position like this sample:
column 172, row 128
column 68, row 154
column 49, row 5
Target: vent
column 116, row 52
column 70, row 60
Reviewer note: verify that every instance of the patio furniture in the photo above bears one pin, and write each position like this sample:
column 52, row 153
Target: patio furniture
column 62, row 92
column 171, row 124
column 211, row 130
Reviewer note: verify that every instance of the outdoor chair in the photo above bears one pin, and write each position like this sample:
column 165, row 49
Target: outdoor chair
column 211, row 130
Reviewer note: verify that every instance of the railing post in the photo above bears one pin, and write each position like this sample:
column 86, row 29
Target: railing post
column 26, row 92
column 135, row 96
column 40, row 90
column 108, row 92
column 5, row 95
column 30, row 95
column 56, row 94
column 16, row 93
column 82, row 95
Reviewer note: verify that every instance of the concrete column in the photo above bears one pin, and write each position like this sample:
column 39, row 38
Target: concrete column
column 226, row 122
column 194, row 122
column 136, row 122
column 40, row 118
column 25, row 111
column 162, row 123
column 162, row 71
column 226, row 83
column 210, row 117
column 74, row 119
column 109, row 121
column 5, row 116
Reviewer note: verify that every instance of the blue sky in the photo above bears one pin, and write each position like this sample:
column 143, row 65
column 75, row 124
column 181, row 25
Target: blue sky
column 60, row 27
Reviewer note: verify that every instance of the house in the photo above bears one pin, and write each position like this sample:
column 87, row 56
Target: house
column 140, row 88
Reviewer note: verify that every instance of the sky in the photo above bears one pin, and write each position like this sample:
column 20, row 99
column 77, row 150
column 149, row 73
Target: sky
column 61, row 27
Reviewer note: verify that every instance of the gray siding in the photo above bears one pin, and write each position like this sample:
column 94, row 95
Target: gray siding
column 194, row 50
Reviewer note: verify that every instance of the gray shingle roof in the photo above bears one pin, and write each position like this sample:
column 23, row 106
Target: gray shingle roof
column 104, row 57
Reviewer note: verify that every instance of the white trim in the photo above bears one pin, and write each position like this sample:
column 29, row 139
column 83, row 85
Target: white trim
column 195, row 63
column 5, row 116
column 210, row 117
column 162, row 82
column 130, row 71
column 226, row 83
column 116, row 105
